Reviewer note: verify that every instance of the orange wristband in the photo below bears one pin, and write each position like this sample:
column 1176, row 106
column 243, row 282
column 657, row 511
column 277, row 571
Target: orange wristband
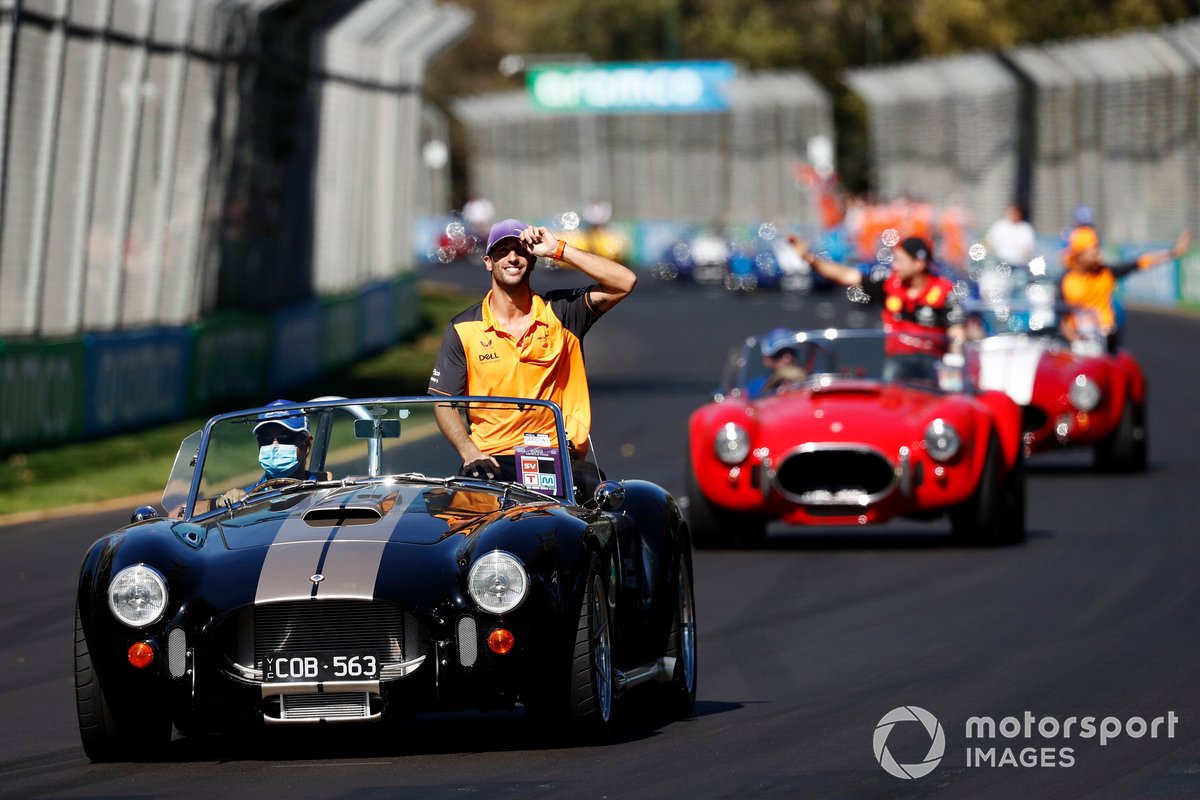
column 558, row 251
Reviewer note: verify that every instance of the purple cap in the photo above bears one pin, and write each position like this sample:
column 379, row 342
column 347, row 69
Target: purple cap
column 504, row 229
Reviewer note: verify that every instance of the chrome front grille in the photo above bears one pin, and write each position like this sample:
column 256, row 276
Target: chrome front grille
column 328, row 706
column 834, row 476
column 249, row 636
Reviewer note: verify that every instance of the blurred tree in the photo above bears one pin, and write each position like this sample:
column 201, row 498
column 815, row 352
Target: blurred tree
column 822, row 37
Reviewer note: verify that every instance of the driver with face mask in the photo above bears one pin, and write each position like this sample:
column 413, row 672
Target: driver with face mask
column 283, row 445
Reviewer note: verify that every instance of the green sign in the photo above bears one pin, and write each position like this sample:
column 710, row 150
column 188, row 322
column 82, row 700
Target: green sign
column 41, row 392
column 663, row 86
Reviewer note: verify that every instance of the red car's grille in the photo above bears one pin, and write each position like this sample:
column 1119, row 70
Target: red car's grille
column 1032, row 419
column 834, row 477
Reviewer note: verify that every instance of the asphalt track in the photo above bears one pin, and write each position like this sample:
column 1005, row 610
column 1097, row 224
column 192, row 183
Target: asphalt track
column 805, row 644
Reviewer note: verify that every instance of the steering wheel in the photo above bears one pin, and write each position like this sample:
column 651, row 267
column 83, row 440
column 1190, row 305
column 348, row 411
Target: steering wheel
column 274, row 483
column 818, row 352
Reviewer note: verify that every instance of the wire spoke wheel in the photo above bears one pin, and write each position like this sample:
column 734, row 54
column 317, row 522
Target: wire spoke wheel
column 686, row 668
column 602, row 670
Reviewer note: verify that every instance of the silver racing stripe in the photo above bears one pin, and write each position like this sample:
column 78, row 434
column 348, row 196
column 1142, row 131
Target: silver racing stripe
column 347, row 556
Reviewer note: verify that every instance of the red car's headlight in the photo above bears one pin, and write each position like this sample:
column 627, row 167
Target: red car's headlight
column 732, row 444
column 942, row 442
column 1084, row 393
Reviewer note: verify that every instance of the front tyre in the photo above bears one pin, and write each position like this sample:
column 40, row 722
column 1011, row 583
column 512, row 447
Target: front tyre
column 591, row 687
column 104, row 739
column 1126, row 449
column 995, row 511
column 679, row 694
column 712, row 526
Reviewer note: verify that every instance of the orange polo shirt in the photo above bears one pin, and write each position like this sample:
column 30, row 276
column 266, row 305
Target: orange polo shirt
column 479, row 358
column 1094, row 289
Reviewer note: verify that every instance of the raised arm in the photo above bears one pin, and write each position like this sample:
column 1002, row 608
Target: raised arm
column 831, row 270
column 615, row 281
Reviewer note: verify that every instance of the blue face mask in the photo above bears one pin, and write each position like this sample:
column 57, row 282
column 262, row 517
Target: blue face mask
column 278, row 460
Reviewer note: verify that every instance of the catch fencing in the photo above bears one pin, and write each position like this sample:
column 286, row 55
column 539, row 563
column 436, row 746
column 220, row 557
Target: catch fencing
column 163, row 160
column 1108, row 122
column 206, row 201
column 729, row 167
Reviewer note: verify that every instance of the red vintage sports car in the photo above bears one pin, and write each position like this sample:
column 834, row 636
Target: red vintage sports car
column 1073, row 393
column 851, row 437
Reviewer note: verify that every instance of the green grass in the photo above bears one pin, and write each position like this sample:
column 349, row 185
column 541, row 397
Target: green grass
column 138, row 463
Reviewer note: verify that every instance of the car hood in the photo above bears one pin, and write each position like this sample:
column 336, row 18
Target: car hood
column 337, row 542
column 1015, row 364
column 848, row 411
column 402, row 513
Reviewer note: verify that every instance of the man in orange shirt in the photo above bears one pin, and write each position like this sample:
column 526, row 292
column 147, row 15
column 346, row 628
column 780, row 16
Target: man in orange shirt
column 1089, row 283
column 515, row 343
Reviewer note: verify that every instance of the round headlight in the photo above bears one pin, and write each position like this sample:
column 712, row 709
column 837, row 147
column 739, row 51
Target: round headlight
column 941, row 440
column 732, row 444
column 1084, row 393
column 137, row 596
column 498, row 582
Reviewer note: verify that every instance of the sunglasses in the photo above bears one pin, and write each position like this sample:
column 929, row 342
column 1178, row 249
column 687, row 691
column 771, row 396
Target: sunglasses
column 265, row 439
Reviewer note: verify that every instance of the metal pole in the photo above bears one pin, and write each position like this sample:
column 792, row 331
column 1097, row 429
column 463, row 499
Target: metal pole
column 6, row 107
column 172, row 110
column 89, row 145
column 40, row 218
column 123, row 197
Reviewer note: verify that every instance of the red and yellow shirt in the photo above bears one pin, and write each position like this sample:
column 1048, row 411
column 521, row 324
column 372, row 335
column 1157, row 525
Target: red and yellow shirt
column 915, row 322
column 479, row 358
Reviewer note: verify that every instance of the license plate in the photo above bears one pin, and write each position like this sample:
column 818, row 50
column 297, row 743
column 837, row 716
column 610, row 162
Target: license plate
column 285, row 667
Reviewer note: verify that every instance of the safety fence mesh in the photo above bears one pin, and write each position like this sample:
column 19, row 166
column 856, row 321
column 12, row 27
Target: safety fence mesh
column 738, row 165
column 162, row 160
column 1108, row 122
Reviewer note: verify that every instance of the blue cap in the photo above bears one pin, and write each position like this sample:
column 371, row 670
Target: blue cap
column 778, row 339
column 1083, row 215
column 288, row 419
column 504, row 229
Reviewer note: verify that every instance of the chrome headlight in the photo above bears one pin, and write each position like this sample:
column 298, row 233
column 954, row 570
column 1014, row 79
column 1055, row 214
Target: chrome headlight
column 137, row 596
column 732, row 444
column 1084, row 393
column 941, row 440
column 498, row 582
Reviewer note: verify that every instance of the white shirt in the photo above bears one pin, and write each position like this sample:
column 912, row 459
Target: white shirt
column 1011, row 242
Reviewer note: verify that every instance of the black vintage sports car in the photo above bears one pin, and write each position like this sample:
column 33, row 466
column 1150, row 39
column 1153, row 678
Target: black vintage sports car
column 381, row 582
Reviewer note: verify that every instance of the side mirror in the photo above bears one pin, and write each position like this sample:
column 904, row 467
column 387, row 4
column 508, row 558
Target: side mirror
column 143, row 513
column 610, row 496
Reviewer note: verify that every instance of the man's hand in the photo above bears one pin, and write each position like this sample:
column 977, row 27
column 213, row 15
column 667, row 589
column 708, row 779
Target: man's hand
column 482, row 467
column 800, row 246
column 539, row 241
column 1182, row 244
column 232, row 496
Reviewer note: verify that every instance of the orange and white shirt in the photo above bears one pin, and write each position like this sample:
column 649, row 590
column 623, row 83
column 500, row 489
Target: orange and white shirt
column 479, row 358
